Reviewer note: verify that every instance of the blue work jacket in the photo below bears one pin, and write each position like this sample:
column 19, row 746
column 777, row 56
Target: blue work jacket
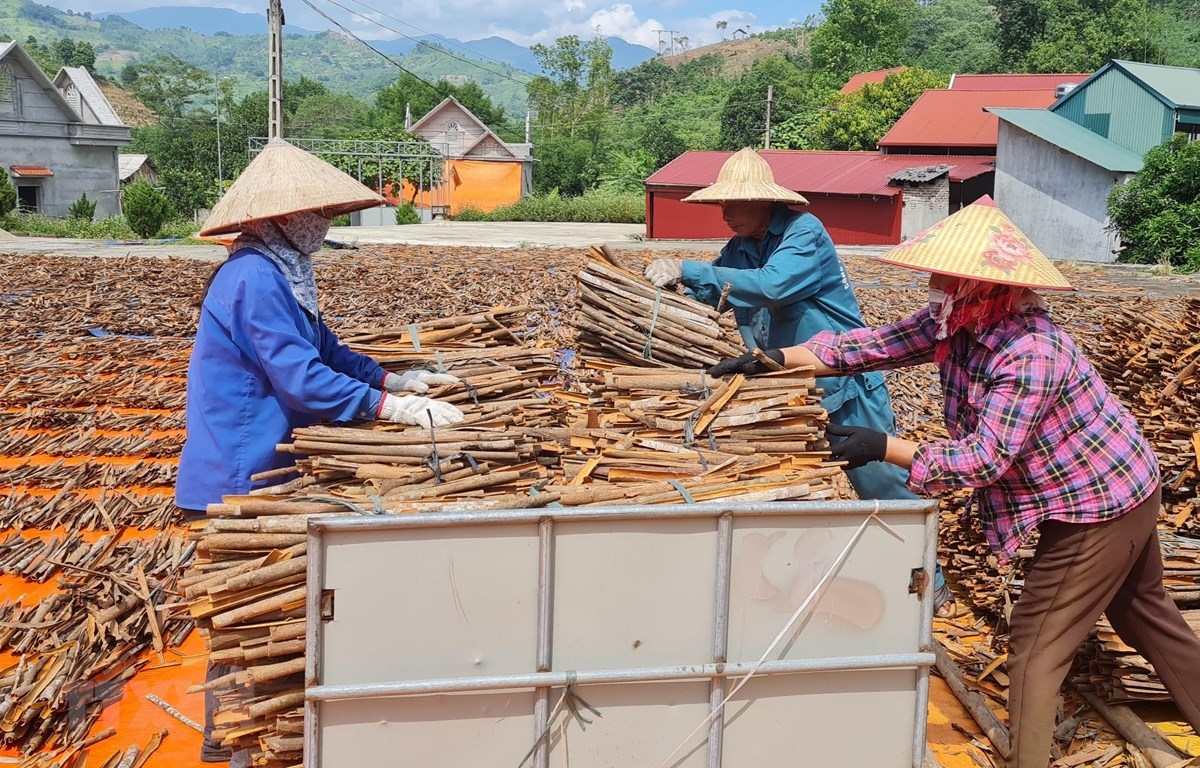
column 796, row 277
column 260, row 367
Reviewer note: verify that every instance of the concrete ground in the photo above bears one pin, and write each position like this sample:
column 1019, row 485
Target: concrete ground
column 515, row 234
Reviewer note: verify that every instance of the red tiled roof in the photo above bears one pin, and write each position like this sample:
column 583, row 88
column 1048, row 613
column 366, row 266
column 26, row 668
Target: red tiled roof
column 819, row 173
column 862, row 78
column 956, row 118
column 1014, row 82
column 31, row 170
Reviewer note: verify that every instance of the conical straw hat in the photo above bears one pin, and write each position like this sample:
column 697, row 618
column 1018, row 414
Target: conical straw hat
column 980, row 243
column 285, row 179
column 745, row 176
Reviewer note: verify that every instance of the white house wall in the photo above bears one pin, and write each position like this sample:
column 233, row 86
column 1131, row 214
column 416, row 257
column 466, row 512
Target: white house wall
column 1058, row 199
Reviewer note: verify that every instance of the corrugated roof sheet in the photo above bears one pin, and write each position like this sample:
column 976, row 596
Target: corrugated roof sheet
column 1178, row 85
column 29, row 171
column 1073, row 138
column 1015, row 82
column 820, row 173
column 957, row 118
column 127, row 165
column 862, row 78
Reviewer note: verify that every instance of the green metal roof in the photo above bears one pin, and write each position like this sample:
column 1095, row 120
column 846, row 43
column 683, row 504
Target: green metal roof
column 1072, row 137
column 1178, row 85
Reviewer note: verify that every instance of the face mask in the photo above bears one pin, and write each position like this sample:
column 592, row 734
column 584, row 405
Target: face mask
column 306, row 231
column 937, row 299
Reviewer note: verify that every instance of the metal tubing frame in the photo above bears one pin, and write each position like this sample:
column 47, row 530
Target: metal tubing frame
column 542, row 681
column 605, row 676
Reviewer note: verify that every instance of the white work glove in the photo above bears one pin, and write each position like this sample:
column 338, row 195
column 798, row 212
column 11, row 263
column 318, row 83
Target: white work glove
column 663, row 272
column 418, row 411
column 418, row 381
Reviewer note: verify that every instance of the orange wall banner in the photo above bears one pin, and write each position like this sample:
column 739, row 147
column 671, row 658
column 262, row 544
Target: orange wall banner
column 482, row 184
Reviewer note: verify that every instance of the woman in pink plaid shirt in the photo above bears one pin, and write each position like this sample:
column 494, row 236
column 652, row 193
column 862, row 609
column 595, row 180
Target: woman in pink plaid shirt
column 1044, row 444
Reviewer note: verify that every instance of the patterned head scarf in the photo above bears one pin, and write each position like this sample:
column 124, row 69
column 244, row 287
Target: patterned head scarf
column 290, row 247
column 976, row 305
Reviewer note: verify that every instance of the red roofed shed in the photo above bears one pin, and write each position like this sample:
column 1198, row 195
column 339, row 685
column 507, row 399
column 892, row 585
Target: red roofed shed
column 848, row 191
column 954, row 121
column 1015, row 82
column 862, row 78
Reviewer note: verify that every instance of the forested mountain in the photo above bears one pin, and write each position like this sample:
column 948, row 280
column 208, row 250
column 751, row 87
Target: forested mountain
column 229, row 44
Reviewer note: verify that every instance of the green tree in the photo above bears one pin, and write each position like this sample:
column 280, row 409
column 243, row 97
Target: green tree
column 1020, row 24
column 744, row 116
column 82, row 208
column 564, row 163
column 146, row 209
column 861, row 35
column 1157, row 213
column 1081, row 35
column 856, row 121
column 8, row 196
column 955, row 36
column 169, row 85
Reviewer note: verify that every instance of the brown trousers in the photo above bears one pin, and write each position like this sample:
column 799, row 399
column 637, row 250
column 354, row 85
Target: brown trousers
column 1080, row 571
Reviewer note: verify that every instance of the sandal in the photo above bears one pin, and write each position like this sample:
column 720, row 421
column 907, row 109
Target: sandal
column 944, row 604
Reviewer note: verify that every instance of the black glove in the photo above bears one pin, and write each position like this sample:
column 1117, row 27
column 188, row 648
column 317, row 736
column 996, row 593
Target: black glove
column 860, row 447
column 746, row 364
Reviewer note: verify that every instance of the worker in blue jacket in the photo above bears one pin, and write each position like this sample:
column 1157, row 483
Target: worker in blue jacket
column 264, row 362
column 786, row 283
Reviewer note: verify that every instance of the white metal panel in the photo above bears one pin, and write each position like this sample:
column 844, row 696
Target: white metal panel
column 633, row 593
column 823, row 720
column 866, row 609
column 436, row 603
column 431, row 603
column 447, row 731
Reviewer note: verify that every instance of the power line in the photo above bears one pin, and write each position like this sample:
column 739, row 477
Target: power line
column 389, row 59
column 443, row 51
column 439, row 37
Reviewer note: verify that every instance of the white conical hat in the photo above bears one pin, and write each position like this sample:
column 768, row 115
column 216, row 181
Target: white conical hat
column 745, row 176
column 980, row 243
column 285, row 179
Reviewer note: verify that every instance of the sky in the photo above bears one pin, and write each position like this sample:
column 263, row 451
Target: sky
column 522, row 21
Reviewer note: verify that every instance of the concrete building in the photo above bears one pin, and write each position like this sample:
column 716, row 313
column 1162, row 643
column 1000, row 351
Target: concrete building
column 58, row 140
column 1055, row 167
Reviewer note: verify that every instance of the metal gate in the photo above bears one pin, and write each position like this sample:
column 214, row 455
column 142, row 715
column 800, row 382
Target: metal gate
column 687, row 635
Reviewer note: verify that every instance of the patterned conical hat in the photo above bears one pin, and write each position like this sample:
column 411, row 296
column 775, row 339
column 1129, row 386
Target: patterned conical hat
column 980, row 243
column 745, row 176
column 285, row 179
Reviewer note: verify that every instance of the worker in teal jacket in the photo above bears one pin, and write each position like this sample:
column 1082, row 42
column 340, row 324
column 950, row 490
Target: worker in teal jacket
column 787, row 283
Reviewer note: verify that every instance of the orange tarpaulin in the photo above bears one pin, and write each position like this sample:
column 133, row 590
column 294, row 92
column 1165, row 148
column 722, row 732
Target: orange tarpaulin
column 482, row 184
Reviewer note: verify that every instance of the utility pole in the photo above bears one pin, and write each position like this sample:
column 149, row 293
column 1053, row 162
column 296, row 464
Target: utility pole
column 770, row 98
column 220, row 174
column 275, row 68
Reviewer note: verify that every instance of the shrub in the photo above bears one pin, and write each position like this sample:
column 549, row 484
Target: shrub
column 341, row 221
column 470, row 213
column 1157, row 213
column 407, row 214
column 83, row 208
column 146, row 209
column 8, row 196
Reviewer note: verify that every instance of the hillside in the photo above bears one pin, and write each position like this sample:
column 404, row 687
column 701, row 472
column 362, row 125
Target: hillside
column 132, row 112
column 740, row 54
column 224, row 50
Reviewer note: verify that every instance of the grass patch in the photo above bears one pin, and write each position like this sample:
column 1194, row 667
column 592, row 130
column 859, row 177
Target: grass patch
column 593, row 207
column 114, row 228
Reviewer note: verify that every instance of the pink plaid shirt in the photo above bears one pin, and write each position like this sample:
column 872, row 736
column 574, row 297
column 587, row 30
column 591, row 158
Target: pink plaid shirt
column 1034, row 430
